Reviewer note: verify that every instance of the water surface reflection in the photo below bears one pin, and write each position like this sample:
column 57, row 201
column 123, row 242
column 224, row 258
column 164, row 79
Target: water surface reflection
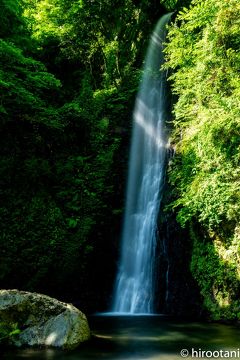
column 142, row 337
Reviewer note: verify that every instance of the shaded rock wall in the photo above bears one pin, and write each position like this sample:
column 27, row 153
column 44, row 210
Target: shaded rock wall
column 177, row 291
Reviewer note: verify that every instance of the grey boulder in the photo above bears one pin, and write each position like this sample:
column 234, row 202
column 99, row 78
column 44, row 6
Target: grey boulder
column 43, row 321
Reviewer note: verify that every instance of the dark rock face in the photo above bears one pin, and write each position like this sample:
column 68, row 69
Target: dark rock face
column 177, row 291
column 43, row 321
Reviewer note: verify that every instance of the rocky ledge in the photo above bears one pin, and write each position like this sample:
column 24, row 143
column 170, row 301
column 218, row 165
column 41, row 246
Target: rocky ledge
column 43, row 321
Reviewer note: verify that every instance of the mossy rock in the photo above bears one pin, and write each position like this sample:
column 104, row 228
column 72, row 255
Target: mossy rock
column 43, row 321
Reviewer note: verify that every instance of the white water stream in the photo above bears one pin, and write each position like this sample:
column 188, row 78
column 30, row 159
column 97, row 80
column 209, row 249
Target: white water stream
column 135, row 284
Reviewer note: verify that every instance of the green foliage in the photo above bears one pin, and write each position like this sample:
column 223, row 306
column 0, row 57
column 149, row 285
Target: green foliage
column 11, row 20
column 60, row 144
column 172, row 5
column 202, row 53
column 202, row 50
column 216, row 267
column 106, row 46
column 8, row 331
column 26, row 87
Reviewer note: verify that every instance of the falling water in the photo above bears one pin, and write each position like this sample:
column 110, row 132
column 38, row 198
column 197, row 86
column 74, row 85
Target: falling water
column 135, row 285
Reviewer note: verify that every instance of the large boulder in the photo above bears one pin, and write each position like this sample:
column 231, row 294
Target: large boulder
column 43, row 321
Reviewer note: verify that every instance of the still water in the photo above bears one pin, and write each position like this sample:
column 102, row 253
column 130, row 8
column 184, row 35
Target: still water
column 146, row 337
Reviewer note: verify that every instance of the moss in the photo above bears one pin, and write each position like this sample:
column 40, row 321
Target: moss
column 7, row 331
column 215, row 267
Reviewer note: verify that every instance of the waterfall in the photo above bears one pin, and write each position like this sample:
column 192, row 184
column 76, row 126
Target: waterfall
column 135, row 284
